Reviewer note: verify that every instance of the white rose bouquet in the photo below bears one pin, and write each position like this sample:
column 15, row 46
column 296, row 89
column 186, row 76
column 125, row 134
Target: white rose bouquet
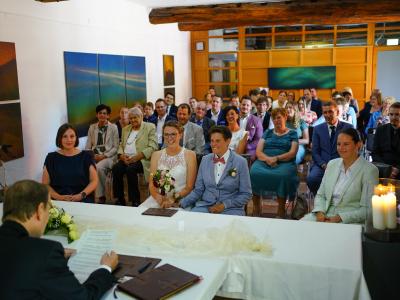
column 61, row 221
column 163, row 180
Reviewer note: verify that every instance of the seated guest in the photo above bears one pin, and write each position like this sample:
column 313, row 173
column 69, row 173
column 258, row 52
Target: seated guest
column 324, row 144
column 208, row 100
column 235, row 101
column 254, row 95
column 386, row 147
column 223, row 182
column 281, row 101
column 216, row 113
column 269, row 104
column 123, row 120
column 193, row 105
column 171, row 107
column 291, row 96
column 262, row 112
column 138, row 142
column 162, row 118
column 181, row 164
column 239, row 135
column 206, row 123
column 375, row 102
column 346, row 113
column 307, row 116
column 36, row 268
column 296, row 123
column 347, row 185
column 148, row 113
column 252, row 125
column 380, row 117
column 312, row 102
column 275, row 168
column 193, row 137
column 69, row 172
column 347, row 93
column 103, row 140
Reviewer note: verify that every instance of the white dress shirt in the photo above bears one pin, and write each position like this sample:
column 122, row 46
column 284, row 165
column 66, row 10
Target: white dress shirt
column 214, row 116
column 329, row 127
column 243, row 122
column 160, row 125
column 220, row 167
column 130, row 147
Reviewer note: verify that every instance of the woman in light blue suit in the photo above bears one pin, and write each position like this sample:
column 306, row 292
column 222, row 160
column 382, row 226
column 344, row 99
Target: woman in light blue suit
column 347, row 185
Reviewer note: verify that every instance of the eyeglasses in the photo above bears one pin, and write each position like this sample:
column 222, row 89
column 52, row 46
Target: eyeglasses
column 167, row 135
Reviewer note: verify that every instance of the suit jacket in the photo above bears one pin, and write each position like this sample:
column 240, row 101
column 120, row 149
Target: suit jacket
column 168, row 118
column 255, row 132
column 382, row 149
column 111, row 142
column 265, row 120
column 206, row 125
column 194, row 138
column 357, row 192
column 145, row 142
column 221, row 117
column 233, row 191
column 172, row 111
column 34, row 268
column 151, row 119
column 322, row 150
column 316, row 105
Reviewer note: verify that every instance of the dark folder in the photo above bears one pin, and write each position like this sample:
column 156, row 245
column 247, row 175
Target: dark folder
column 159, row 283
column 134, row 265
column 161, row 212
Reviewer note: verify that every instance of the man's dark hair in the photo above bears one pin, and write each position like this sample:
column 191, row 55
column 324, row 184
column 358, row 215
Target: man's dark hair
column 185, row 106
column 100, row 107
column 262, row 99
column 169, row 93
column 329, row 103
column 226, row 133
column 245, row 97
column 23, row 198
column 161, row 100
column 63, row 128
column 254, row 92
column 395, row 105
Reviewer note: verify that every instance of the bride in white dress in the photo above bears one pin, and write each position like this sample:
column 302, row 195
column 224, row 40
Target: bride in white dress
column 180, row 162
column 239, row 136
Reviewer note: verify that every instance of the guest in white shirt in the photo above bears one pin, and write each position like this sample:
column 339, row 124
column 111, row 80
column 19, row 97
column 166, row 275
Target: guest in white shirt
column 239, row 135
column 216, row 113
column 281, row 101
column 162, row 117
column 193, row 104
column 263, row 114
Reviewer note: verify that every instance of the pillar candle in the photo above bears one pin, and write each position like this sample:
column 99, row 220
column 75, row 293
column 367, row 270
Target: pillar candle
column 378, row 212
column 390, row 211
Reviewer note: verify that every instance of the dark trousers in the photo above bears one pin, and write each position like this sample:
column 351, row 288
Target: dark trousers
column 131, row 171
column 314, row 178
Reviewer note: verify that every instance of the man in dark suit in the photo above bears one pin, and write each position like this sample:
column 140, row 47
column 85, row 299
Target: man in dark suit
column 324, row 144
column 312, row 102
column 386, row 147
column 262, row 107
column 206, row 123
column 162, row 118
column 35, row 268
column 216, row 113
column 251, row 124
column 172, row 109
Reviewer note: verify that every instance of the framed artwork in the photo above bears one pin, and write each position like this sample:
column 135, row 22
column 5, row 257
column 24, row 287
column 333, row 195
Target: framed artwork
column 82, row 83
column 302, row 77
column 199, row 46
column 9, row 89
column 169, row 70
column 135, row 77
column 11, row 137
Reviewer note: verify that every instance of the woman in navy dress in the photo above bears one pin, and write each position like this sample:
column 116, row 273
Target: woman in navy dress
column 275, row 168
column 69, row 172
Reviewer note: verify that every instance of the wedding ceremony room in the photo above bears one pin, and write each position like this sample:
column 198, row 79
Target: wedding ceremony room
column 199, row 149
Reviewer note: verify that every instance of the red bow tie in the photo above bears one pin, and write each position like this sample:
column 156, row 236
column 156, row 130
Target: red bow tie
column 217, row 160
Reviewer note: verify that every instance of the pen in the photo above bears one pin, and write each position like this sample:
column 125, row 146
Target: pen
column 144, row 268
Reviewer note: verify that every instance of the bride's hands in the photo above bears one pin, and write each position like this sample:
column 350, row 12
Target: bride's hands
column 169, row 202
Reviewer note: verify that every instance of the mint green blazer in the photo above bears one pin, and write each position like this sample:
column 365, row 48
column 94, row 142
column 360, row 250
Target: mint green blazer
column 357, row 193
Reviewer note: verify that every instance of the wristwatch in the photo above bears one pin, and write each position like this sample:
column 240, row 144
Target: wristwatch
column 83, row 194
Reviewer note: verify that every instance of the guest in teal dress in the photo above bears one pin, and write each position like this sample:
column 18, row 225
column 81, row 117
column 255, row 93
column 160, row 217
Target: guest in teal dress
column 275, row 168
column 295, row 122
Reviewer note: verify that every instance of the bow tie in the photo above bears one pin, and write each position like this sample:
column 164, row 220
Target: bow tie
column 218, row 160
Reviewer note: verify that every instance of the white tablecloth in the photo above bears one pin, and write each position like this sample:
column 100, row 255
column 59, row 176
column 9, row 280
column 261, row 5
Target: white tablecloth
column 309, row 260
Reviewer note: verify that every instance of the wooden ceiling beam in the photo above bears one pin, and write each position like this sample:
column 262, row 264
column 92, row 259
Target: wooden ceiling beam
column 207, row 17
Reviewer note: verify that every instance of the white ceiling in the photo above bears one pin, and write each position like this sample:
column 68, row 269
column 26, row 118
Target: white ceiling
column 168, row 3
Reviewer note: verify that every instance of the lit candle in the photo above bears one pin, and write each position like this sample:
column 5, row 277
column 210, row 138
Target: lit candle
column 390, row 211
column 380, row 190
column 378, row 212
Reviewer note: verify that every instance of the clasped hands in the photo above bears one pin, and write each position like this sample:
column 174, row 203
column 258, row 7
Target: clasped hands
column 166, row 201
column 128, row 159
column 73, row 198
column 321, row 217
column 272, row 161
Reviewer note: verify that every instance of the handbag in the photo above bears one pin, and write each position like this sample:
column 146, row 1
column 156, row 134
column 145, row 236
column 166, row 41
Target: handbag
column 300, row 208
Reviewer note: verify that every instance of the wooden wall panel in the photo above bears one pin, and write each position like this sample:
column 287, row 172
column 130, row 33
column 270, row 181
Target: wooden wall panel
column 199, row 91
column 351, row 55
column 285, row 58
column 359, row 90
column 317, row 57
column 350, row 73
column 200, row 60
column 254, row 59
column 201, row 76
column 254, row 76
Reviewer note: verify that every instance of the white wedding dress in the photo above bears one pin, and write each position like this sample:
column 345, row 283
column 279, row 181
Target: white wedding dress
column 177, row 167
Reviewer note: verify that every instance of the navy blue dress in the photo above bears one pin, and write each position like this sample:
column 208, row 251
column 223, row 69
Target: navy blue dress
column 69, row 175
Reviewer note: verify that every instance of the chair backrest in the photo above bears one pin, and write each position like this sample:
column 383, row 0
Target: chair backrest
column 370, row 141
column 384, row 169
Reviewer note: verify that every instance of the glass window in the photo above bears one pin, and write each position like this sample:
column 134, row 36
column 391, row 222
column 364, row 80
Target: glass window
column 222, row 60
column 258, row 29
column 390, row 24
column 288, row 28
column 352, row 26
column 223, row 75
column 318, row 27
column 287, row 41
column 258, row 42
column 220, row 32
column 223, row 44
column 225, row 90
column 351, row 39
column 381, row 36
column 319, row 40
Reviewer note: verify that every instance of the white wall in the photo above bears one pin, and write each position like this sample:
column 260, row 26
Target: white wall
column 42, row 32
column 388, row 74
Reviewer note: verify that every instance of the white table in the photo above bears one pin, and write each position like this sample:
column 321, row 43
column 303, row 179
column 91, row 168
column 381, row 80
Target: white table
column 309, row 261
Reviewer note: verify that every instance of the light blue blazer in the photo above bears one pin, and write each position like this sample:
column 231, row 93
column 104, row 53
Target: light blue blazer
column 356, row 195
column 233, row 191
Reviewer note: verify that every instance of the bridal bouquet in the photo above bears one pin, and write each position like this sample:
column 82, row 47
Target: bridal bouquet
column 163, row 180
column 60, row 221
